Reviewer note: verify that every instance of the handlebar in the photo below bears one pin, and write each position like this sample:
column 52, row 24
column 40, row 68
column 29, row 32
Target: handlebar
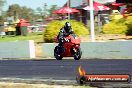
column 65, row 40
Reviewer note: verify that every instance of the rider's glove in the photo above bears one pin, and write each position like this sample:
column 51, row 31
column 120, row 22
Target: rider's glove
column 67, row 40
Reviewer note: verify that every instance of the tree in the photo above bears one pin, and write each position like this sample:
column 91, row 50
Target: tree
column 21, row 12
column 13, row 10
column 2, row 2
column 53, row 8
column 40, row 12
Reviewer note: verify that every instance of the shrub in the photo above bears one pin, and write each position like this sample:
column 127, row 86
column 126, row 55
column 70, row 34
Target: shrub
column 51, row 31
column 115, row 27
column 54, row 27
column 129, row 25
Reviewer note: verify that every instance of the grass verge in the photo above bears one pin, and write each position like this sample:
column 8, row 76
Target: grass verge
column 37, row 37
column 25, row 85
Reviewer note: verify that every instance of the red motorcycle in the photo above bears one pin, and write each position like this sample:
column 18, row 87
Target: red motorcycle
column 71, row 48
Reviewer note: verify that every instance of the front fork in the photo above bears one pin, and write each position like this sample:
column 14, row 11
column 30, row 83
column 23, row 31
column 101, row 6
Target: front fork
column 75, row 48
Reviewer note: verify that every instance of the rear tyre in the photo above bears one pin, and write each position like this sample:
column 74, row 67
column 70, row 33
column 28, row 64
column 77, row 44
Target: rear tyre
column 80, row 80
column 56, row 53
column 78, row 54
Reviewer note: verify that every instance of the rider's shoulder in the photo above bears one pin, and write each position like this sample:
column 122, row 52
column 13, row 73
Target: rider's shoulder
column 62, row 30
column 71, row 30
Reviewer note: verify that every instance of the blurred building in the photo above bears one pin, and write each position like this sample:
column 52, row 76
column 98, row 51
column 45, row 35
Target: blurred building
column 84, row 15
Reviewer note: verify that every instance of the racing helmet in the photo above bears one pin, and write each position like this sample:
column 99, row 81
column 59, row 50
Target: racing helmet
column 67, row 26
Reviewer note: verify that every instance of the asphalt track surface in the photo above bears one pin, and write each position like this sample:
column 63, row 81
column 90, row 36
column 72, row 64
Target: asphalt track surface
column 62, row 70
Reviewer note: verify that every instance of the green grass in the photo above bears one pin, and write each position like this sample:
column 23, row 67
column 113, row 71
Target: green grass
column 37, row 37
column 29, row 85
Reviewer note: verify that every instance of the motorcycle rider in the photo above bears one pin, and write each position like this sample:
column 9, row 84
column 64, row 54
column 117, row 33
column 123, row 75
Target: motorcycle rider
column 64, row 31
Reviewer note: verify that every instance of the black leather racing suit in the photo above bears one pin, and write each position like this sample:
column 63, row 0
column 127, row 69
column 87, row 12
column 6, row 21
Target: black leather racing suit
column 61, row 36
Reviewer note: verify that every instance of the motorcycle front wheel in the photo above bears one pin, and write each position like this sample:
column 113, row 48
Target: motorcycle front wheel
column 78, row 54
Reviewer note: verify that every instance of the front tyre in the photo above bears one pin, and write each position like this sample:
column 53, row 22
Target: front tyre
column 78, row 54
column 56, row 53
